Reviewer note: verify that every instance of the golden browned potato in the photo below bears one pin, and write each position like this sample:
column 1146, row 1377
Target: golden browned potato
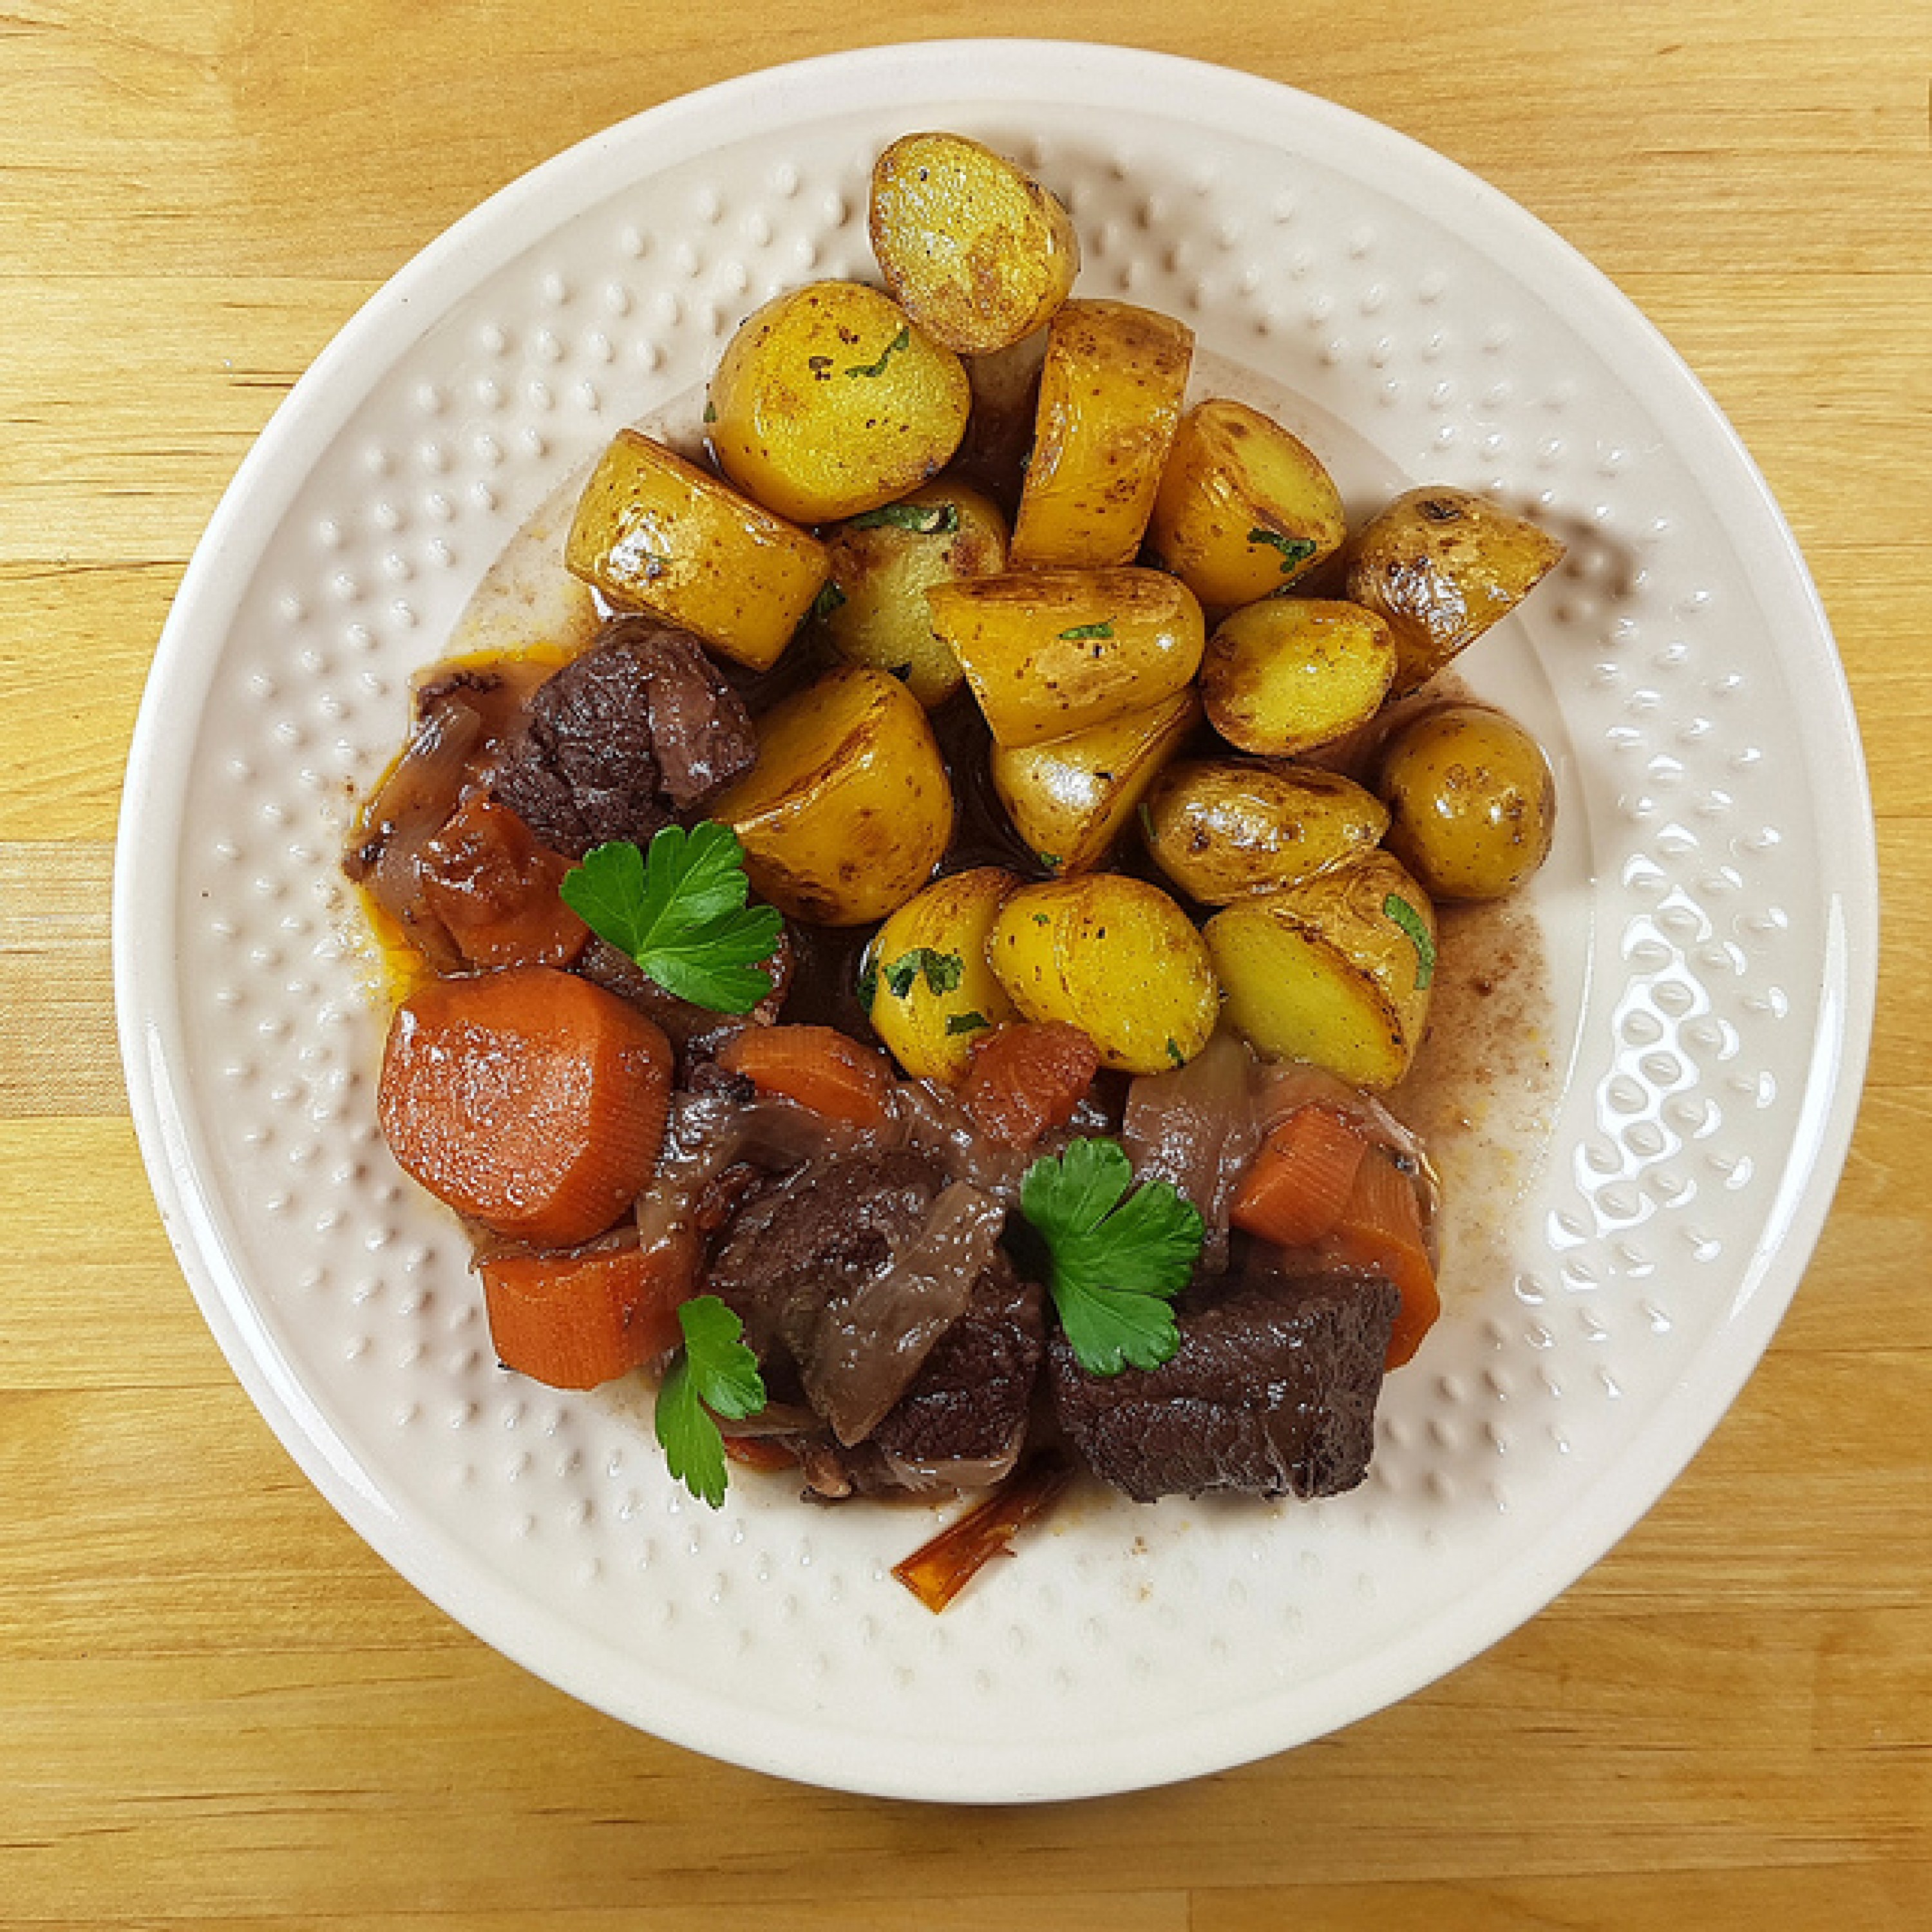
column 1471, row 799
column 1337, row 971
column 884, row 561
column 1244, row 507
column 1070, row 799
column 1115, row 957
column 928, row 985
column 848, row 808
column 1440, row 566
column 978, row 253
column 1223, row 828
column 829, row 400
column 654, row 532
column 1290, row 672
column 1050, row 652
column 1110, row 397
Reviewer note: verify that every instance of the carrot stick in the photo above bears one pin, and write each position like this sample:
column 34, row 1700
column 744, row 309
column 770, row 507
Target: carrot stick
column 938, row 1570
column 816, row 1066
column 494, row 887
column 1382, row 1227
column 529, row 1100
column 1299, row 1183
column 573, row 1321
column 767, row 1452
column 1026, row 1078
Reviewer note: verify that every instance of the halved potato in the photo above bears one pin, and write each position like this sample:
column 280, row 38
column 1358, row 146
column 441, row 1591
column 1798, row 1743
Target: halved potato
column 1288, row 673
column 1070, row 799
column 829, row 400
column 884, row 561
column 848, row 808
column 1244, row 507
column 1337, row 971
column 933, row 995
column 976, row 251
column 1050, row 652
column 1223, row 828
column 654, row 532
column 1110, row 397
column 1440, row 566
column 1115, row 957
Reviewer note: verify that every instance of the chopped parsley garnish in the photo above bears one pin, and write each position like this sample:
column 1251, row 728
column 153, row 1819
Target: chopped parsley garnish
column 710, row 410
column 885, row 355
column 1411, row 922
column 681, row 914
column 1050, row 860
column 1083, row 631
column 942, row 971
column 1174, row 1052
column 925, row 520
column 957, row 1023
column 1147, row 822
column 1295, row 551
column 713, row 1375
column 828, row 600
column 868, row 983
column 1115, row 1260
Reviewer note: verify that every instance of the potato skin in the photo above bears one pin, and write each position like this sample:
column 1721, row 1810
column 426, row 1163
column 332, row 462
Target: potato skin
column 1223, row 829
column 849, row 808
column 1471, row 800
column 1110, row 396
column 1327, row 972
column 883, row 565
column 655, row 532
column 1070, row 800
column 1440, row 566
column 1115, row 957
column 930, row 1034
column 1245, row 508
column 829, row 400
column 1288, row 673
column 977, row 252
column 1050, row 652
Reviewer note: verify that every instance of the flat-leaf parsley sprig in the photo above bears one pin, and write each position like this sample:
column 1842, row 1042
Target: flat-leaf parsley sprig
column 714, row 1374
column 680, row 913
column 1115, row 1263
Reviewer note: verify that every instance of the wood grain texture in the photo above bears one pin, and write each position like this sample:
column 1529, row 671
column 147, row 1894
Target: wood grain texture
column 218, row 1709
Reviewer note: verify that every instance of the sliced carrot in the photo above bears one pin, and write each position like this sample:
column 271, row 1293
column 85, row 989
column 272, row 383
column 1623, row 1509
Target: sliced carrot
column 1026, row 1078
column 495, row 889
column 1381, row 1228
column 573, row 1321
column 938, row 1570
column 1300, row 1182
column 817, row 1066
column 530, row 1100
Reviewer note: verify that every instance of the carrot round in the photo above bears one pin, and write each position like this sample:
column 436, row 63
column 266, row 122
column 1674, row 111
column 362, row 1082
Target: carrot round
column 573, row 1321
column 1382, row 1227
column 1028, row 1077
column 495, row 889
column 530, row 1100
column 1300, row 1182
column 816, row 1066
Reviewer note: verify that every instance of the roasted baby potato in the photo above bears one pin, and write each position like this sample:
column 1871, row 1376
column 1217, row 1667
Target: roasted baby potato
column 977, row 252
column 1440, row 566
column 883, row 561
column 829, row 400
column 1335, row 971
column 1115, row 957
column 1071, row 799
column 1244, row 508
column 1288, row 673
column 1471, row 800
column 1223, row 828
column 654, row 532
column 1050, row 652
column 931, row 989
column 848, row 808
column 1110, row 397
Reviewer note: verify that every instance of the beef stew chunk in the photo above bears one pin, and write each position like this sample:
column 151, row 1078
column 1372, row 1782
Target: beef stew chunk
column 1272, row 1392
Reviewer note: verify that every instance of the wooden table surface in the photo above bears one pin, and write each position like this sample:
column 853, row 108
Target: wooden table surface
column 217, row 1707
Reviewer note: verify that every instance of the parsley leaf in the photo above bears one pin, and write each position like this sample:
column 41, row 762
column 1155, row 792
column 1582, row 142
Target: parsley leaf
column 1411, row 922
column 1295, row 551
column 925, row 520
column 829, row 598
column 714, row 1374
column 681, row 914
column 942, row 972
column 901, row 340
column 1114, row 1262
column 1080, row 631
column 959, row 1023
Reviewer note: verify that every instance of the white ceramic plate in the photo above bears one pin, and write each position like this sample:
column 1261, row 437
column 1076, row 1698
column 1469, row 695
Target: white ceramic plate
column 1711, row 914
